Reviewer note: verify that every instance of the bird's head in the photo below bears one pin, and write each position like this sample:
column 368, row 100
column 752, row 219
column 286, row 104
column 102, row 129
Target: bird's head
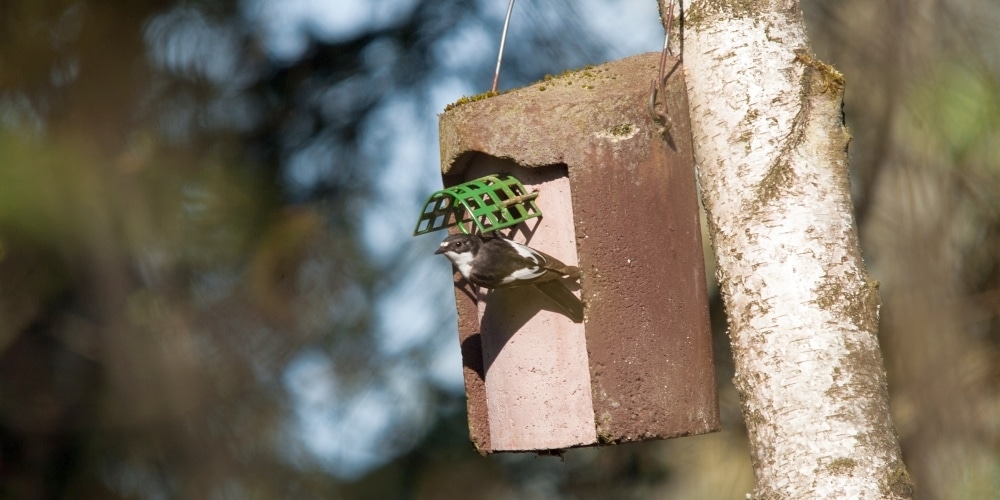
column 460, row 249
column 457, row 244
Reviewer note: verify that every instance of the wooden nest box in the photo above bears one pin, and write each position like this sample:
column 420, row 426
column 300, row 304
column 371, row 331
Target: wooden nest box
column 619, row 200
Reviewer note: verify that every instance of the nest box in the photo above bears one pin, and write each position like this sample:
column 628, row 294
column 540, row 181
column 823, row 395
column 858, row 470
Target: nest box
column 618, row 195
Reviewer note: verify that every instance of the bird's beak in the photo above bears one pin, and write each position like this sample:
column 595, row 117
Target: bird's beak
column 439, row 250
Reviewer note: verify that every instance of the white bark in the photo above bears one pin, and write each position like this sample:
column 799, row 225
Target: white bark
column 771, row 150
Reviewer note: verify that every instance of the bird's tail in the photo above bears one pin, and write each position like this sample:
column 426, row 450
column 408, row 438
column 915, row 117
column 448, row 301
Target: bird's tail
column 571, row 272
column 564, row 298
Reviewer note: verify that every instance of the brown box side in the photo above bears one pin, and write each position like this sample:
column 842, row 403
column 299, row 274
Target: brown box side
column 648, row 329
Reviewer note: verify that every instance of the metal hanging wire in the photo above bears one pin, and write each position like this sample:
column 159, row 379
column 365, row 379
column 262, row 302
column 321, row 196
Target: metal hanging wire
column 503, row 41
column 659, row 84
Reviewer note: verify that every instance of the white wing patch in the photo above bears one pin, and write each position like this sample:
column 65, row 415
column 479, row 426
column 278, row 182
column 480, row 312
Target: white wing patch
column 523, row 274
column 527, row 273
column 526, row 252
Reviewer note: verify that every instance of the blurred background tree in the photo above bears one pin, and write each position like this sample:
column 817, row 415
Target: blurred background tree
column 208, row 288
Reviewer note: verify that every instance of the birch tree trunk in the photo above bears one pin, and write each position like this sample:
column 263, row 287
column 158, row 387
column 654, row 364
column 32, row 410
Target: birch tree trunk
column 771, row 150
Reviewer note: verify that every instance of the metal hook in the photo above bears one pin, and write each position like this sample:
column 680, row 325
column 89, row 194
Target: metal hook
column 503, row 41
column 659, row 84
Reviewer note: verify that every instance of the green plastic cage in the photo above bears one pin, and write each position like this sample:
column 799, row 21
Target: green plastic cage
column 492, row 202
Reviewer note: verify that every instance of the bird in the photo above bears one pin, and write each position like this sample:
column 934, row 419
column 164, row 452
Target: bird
column 497, row 262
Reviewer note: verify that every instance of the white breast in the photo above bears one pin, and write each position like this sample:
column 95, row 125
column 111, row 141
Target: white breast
column 462, row 261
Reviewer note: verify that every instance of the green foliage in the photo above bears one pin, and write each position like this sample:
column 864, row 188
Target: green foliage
column 957, row 112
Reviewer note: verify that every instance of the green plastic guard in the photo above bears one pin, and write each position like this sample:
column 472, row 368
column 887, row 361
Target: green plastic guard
column 492, row 202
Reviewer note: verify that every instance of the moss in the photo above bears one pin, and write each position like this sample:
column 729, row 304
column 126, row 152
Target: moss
column 830, row 79
column 842, row 466
column 621, row 130
column 604, row 423
column 466, row 100
column 900, row 483
column 587, row 73
column 867, row 316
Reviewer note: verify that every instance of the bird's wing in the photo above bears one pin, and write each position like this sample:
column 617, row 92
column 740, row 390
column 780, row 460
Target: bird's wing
column 545, row 261
column 561, row 295
column 533, row 262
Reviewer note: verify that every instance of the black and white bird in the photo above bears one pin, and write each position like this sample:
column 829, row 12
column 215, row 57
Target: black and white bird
column 496, row 262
